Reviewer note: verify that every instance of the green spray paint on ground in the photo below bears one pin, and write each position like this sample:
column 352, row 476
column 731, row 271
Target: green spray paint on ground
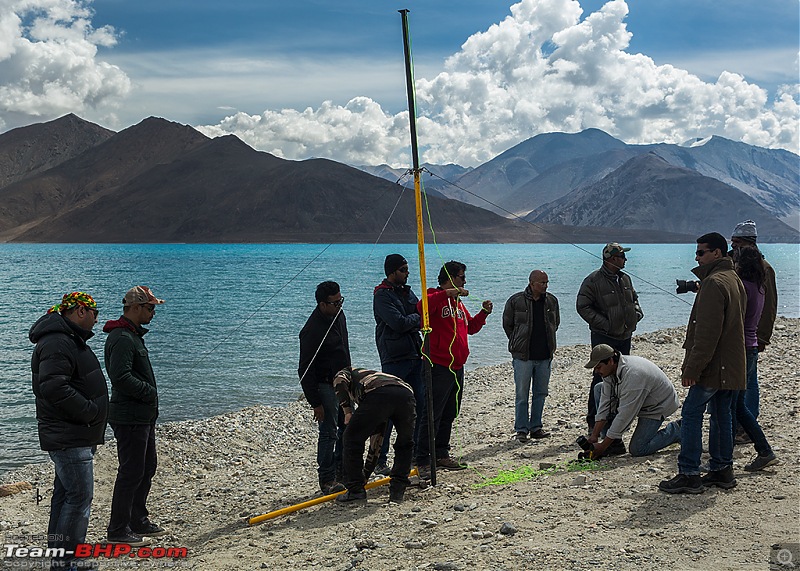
column 524, row 473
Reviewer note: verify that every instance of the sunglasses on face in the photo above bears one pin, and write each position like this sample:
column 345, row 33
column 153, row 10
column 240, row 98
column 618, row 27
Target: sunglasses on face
column 699, row 253
column 337, row 303
column 149, row 307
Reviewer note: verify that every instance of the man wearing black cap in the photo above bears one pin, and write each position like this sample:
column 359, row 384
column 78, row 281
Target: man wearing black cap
column 397, row 326
column 610, row 305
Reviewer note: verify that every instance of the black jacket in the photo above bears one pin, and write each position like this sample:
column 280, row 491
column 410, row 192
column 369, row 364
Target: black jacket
column 518, row 323
column 71, row 392
column 333, row 355
column 396, row 323
column 134, row 394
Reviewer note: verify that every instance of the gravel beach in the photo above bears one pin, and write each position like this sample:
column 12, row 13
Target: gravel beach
column 215, row 473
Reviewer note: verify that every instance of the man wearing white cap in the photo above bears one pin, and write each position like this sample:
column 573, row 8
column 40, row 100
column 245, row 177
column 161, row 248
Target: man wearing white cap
column 610, row 305
column 132, row 414
column 632, row 387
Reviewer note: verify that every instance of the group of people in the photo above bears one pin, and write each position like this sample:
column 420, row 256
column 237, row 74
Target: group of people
column 73, row 409
column 731, row 322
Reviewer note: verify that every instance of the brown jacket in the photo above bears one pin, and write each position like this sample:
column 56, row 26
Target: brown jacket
column 767, row 321
column 715, row 354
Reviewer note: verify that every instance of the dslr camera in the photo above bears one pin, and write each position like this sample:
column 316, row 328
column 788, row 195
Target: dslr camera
column 685, row 286
column 588, row 448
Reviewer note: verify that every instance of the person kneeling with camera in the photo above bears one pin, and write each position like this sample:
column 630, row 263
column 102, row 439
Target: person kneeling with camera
column 632, row 387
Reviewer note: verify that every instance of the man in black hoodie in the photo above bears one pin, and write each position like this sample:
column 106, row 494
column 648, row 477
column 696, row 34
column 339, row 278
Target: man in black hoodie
column 324, row 351
column 71, row 409
column 132, row 414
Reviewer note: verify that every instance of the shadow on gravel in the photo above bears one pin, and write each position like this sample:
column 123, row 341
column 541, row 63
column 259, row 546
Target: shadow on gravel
column 658, row 510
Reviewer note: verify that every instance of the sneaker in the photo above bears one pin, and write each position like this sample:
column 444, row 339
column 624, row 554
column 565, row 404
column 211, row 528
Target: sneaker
column 540, row 433
column 521, row 437
column 352, row 496
column 396, row 496
column 382, row 470
column 332, row 487
column 721, row 478
column 760, row 462
column 449, row 464
column 149, row 529
column 424, row 472
column 617, row 448
column 682, row 484
column 130, row 538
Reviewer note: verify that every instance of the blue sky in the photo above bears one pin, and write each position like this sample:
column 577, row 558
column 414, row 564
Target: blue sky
column 314, row 78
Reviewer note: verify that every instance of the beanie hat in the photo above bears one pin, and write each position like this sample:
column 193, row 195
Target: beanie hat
column 746, row 231
column 393, row 262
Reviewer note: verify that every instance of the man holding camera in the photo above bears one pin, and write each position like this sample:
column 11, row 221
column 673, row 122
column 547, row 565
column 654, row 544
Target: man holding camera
column 713, row 368
column 632, row 387
column 610, row 305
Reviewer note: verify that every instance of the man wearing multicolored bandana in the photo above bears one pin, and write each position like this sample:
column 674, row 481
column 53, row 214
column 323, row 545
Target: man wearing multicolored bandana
column 71, row 409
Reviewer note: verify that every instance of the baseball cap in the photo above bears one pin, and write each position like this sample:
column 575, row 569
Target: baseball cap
column 599, row 353
column 139, row 295
column 613, row 249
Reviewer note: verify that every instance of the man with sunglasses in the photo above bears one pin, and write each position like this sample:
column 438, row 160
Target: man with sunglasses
column 609, row 304
column 132, row 415
column 324, row 351
column 713, row 368
column 71, row 410
column 397, row 325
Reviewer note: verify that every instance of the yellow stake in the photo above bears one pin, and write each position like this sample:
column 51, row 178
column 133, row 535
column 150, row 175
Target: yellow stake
column 315, row 501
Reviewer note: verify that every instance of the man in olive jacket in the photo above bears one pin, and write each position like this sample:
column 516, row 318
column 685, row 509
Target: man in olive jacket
column 609, row 304
column 132, row 415
column 71, row 410
column 713, row 368
column 530, row 321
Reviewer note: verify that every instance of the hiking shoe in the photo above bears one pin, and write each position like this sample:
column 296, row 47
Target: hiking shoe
column 332, row 487
column 760, row 462
column 382, row 470
column 128, row 537
column 352, row 496
column 449, row 464
column 424, row 472
column 149, row 529
column 396, row 496
column 521, row 437
column 721, row 478
column 682, row 484
column 540, row 433
column 617, row 448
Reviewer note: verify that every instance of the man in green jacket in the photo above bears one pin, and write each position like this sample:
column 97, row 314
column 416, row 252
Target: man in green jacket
column 713, row 368
column 132, row 414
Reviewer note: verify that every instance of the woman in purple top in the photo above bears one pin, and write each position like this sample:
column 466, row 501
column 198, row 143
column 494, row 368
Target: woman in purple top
column 750, row 268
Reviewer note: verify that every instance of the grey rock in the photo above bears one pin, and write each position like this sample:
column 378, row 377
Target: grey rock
column 446, row 566
column 508, row 528
column 414, row 544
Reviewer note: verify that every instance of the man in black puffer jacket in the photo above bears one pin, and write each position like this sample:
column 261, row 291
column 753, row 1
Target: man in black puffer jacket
column 71, row 409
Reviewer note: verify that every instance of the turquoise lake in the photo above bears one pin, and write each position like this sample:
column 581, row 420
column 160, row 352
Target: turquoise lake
column 227, row 336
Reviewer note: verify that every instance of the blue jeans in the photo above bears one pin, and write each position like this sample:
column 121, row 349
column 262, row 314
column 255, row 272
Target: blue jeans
column 720, row 439
column 329, row 445
column 649, row 437
column 751, row 396
column 525, row 373
column 411, row 372
column 73, row 490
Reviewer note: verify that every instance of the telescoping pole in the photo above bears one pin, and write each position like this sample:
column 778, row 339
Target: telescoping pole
column 412, row 118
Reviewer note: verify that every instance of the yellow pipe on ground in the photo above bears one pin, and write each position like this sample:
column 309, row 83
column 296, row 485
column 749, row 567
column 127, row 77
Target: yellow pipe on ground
column 315, row 501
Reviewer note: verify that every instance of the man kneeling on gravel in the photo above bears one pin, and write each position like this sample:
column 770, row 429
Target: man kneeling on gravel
column 632, row 387
column 379, row 397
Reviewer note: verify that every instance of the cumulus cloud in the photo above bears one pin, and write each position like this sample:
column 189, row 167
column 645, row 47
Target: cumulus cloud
column 541, row 69
column 48, row 60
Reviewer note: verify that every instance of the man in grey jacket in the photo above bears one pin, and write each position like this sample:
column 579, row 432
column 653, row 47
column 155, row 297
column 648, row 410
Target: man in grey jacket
column 632, row 387
column 530, row 321
column 610, row 305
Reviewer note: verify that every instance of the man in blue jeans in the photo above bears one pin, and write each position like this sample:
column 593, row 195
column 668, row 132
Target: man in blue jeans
column 324, row 351
column 71, row 409
column 713, row 368
column 632, row 387
column 530, row 320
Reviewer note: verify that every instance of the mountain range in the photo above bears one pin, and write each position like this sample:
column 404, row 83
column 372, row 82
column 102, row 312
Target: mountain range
column 69, row 180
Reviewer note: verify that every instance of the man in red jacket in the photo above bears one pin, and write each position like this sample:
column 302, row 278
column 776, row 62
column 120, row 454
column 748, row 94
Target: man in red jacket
column 450, row 324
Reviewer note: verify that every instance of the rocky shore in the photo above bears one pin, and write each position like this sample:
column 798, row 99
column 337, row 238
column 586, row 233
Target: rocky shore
column 216, row 473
